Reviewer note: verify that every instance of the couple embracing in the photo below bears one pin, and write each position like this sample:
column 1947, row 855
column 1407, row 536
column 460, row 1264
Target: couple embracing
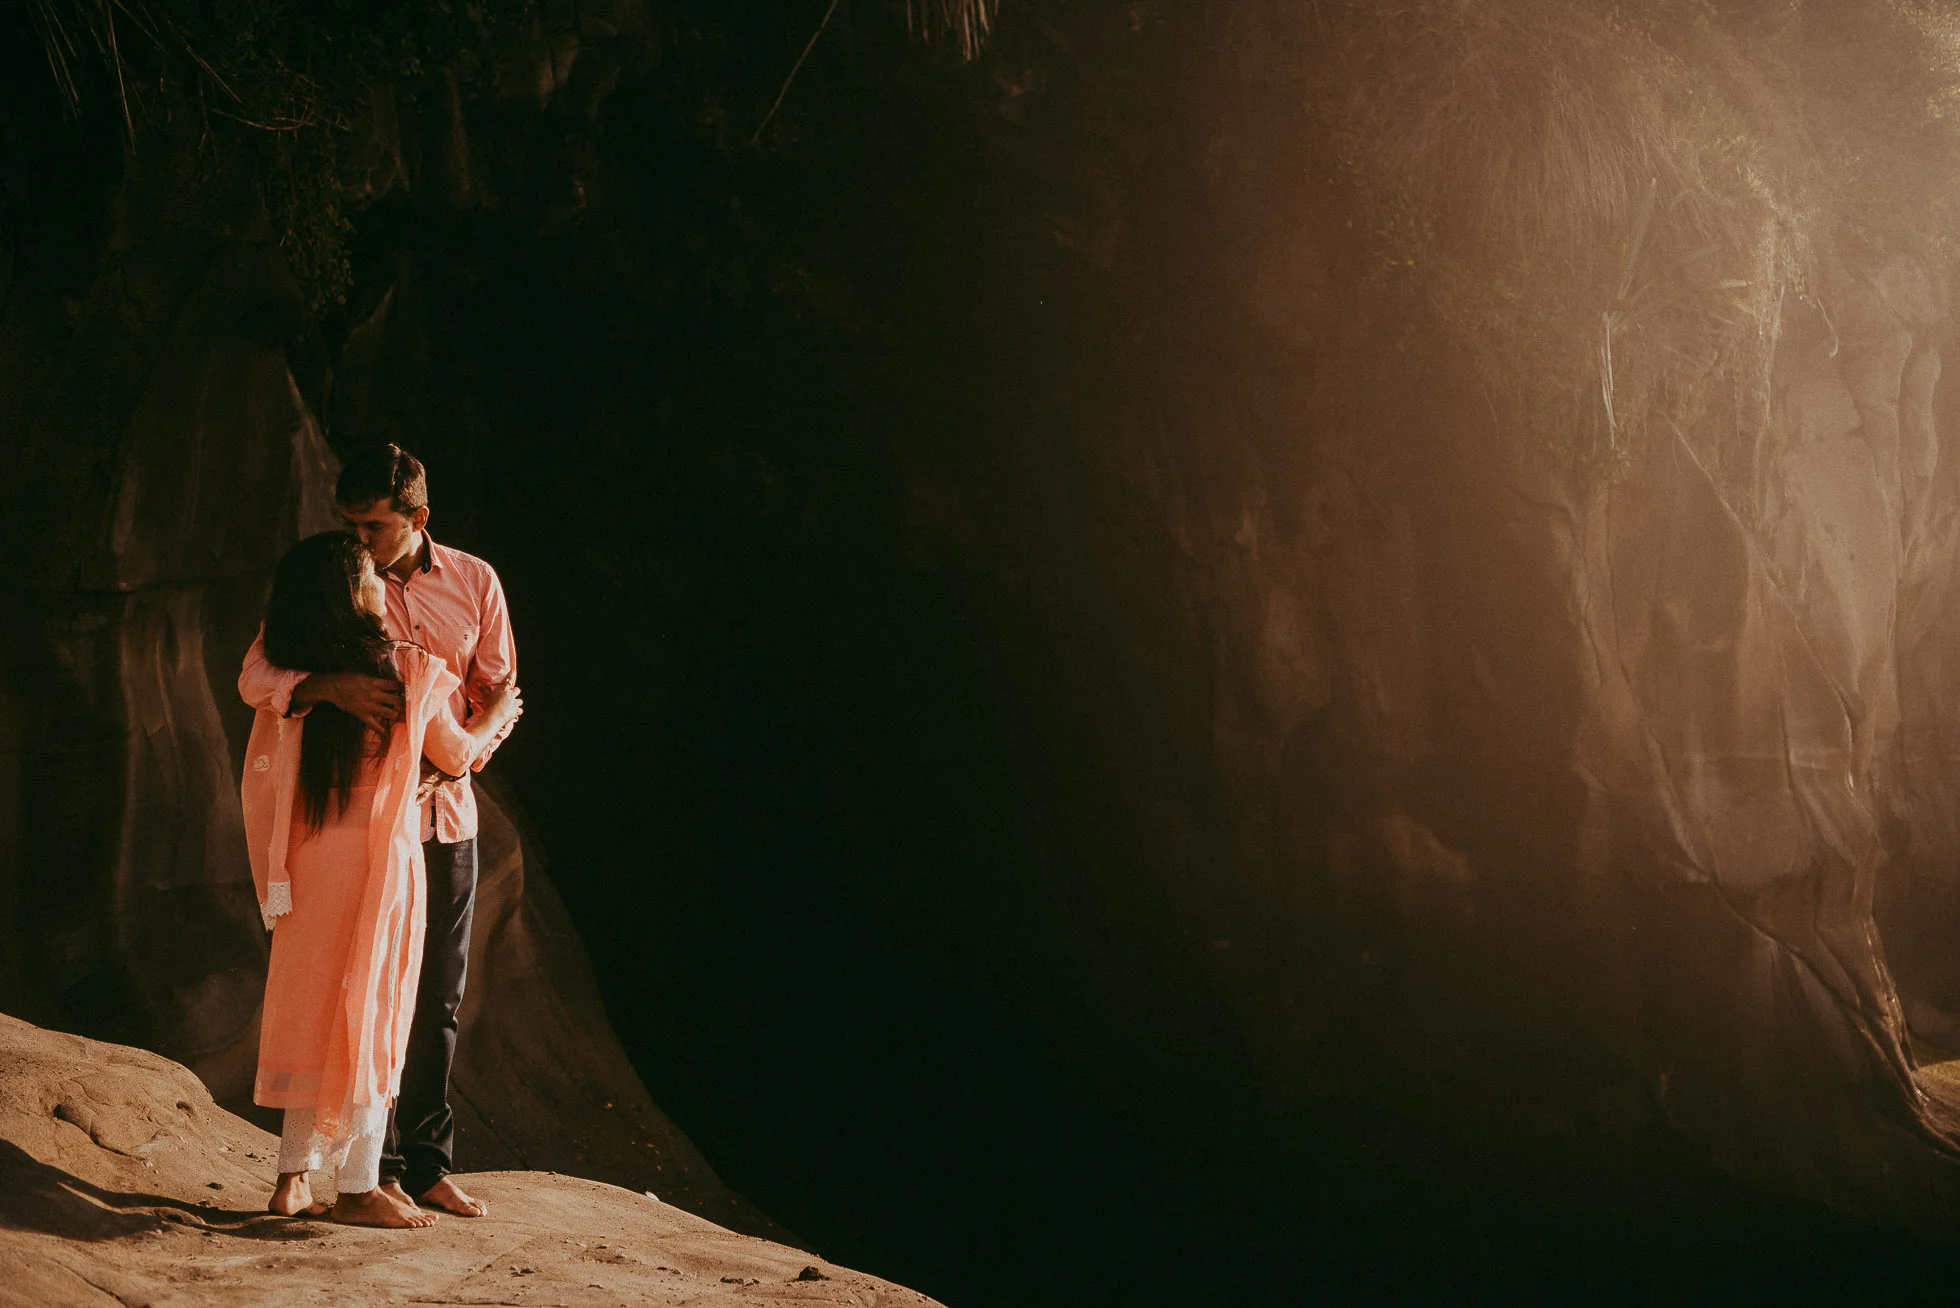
column 383, row 677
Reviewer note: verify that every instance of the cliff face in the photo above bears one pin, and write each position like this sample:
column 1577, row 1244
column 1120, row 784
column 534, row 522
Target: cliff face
column 155, row 512
column 1658, row 745
column 1160, row 587
column 1529, row 730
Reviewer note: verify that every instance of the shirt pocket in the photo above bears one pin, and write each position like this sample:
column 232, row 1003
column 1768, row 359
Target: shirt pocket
column 453, row 642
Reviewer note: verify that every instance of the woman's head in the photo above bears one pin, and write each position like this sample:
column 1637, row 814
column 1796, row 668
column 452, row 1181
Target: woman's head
column 325, row 617
column 325, row 614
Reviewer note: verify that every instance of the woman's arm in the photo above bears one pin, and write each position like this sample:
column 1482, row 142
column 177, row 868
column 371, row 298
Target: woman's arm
column 453, row 747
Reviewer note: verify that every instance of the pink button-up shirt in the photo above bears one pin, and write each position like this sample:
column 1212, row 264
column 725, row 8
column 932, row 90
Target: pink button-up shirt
column 452, row 606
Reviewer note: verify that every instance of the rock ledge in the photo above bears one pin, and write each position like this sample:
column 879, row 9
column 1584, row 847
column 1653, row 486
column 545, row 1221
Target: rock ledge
column 122, row 1182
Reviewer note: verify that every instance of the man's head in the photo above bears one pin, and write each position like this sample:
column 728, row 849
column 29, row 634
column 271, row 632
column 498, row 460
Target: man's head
column 383, row 495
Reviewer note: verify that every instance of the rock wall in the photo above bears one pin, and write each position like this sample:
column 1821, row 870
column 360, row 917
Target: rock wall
column 1648, row 741
column 147, row 536
column 1502, row 742
column 1032, row 483
column 1050, row 534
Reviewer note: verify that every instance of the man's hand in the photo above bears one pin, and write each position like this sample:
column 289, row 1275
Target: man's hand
column 432, row 776
column 376, row 701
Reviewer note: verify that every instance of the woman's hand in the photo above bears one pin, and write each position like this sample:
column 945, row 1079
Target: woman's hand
column 504, row 704
column 457, row 749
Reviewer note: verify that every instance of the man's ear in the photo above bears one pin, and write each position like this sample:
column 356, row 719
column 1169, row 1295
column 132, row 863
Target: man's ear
column 419, row 518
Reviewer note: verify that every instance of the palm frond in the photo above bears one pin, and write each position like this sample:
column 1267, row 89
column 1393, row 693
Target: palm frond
column 68, row 28
column 967, row 22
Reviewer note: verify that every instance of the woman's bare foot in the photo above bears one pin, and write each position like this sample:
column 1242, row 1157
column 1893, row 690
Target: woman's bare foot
column 448, row 1196
column 293, row 1197
column 373, row 1208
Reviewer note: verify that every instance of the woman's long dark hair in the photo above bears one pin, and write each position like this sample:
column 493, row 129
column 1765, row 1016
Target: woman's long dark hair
column 314, row 623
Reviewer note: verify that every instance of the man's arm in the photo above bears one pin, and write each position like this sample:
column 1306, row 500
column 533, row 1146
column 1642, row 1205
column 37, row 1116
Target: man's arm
column 265, row 687
column 494, row 664
column 376, row 701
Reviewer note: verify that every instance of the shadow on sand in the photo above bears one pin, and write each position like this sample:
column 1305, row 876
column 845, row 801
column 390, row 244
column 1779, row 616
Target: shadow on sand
column 35, row 1196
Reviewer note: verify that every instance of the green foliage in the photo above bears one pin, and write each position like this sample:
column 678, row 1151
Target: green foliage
column 306, row 199
column 290, row 81
column 302, row 84
column 308, row 75
column 342, row 42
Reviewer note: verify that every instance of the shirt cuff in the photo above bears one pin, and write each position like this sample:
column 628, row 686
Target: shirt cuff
column 282, row 695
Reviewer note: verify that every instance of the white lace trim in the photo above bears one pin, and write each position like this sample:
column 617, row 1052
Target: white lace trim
column 355, row 1153
column 278, row 901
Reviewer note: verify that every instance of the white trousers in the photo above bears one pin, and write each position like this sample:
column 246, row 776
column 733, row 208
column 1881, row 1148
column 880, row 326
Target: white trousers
column 355, row 1156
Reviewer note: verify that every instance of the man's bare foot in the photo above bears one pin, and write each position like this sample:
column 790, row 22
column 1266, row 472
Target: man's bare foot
column 373, row 1208
column 293, row 1197
column 448, row 1196
column 393, row 1189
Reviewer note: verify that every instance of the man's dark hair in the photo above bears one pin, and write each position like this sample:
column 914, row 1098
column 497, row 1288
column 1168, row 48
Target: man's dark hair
column 383, row 472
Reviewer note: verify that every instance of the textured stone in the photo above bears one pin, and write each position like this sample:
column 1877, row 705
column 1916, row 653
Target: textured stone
column 1678, row 730
column 121, row 1180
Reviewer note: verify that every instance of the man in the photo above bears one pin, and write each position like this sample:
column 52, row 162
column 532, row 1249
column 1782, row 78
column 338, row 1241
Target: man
column 451, row 604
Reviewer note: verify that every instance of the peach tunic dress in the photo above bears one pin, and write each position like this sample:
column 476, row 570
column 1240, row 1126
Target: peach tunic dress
column 345, row 906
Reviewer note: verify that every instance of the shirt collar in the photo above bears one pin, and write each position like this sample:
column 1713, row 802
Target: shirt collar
column 432, row 560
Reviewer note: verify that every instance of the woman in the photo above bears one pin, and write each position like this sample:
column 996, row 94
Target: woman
column 335, row 835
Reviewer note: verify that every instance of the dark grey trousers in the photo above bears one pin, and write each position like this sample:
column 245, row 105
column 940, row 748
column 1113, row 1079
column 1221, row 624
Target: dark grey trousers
column 421, row 1143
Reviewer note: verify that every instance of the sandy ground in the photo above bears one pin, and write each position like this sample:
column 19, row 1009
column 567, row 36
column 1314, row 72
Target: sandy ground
column 122, row 1183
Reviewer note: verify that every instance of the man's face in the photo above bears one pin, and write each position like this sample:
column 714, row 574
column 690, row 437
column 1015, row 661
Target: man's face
column 388, row 533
